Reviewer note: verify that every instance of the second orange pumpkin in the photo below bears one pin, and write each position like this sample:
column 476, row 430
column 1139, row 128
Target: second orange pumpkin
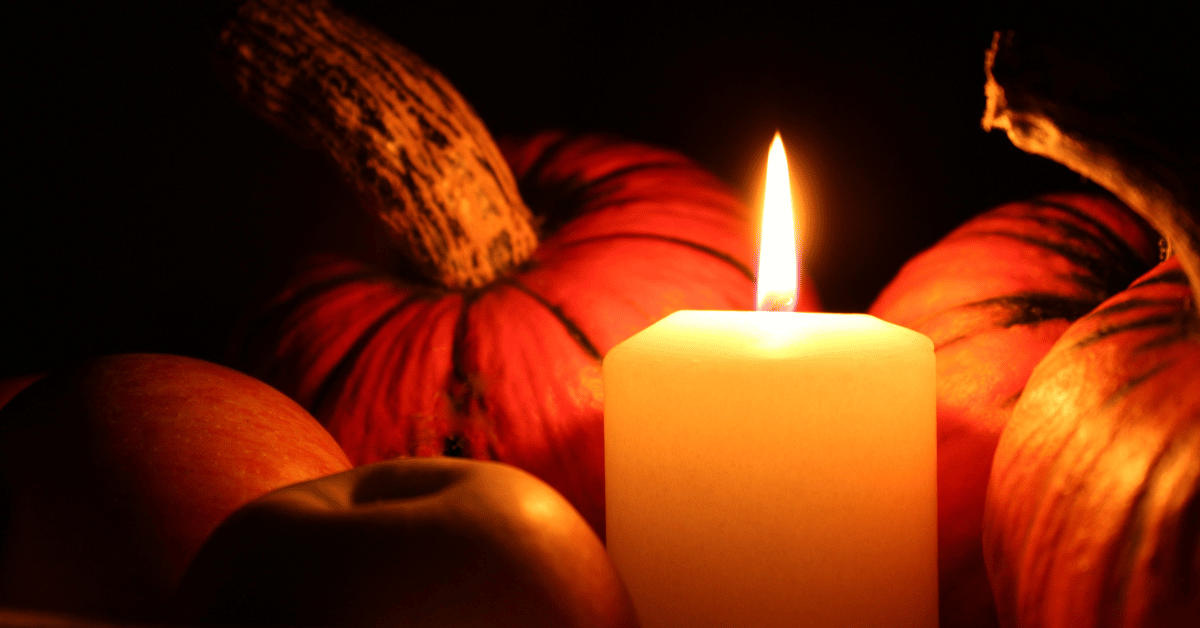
column 994, row 295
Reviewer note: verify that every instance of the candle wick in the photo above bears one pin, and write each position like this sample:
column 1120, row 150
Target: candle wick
column 777, row 302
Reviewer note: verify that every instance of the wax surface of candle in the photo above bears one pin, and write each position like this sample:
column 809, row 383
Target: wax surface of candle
column 773, row 469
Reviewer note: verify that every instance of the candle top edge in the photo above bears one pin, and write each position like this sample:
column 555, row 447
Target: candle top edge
column 773, row 335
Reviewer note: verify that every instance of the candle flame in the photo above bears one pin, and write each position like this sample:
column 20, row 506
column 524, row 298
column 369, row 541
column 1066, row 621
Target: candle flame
column 777, row 280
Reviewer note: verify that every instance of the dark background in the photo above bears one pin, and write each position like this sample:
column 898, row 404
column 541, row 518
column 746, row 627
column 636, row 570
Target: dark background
column 148, row 211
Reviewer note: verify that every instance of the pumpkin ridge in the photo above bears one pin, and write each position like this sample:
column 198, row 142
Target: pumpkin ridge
column 460, row 390
column 560, row 202
column 491, row 451
column 342, row 369
column 1109, row 268
column 569, row 325
column 1110, row 605
column 721, row 255
column 1118, row 246
column 725, row 208
column 1038, row 564
column 275, row 314
column 1030, row 446
column 548, row 154
column 1161, row 320
column 1024, row 309
column 1011, row 311
column 1071, row 253
column 551, row 151
column 1073, row 233
column 1189, row 527
column 1174, row 276
column 1127, row 387
column 1165, row 339
column 1011, row 402
column 623, row 171
column 1132, row 531
column 1092, row 263
column 1070, row 495
column 1131, row 304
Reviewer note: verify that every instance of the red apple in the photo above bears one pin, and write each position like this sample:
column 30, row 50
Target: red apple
column 117, row 470
column 412, row 542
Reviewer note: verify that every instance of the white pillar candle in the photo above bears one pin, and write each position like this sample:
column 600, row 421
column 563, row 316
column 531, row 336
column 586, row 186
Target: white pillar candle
column 770, row 469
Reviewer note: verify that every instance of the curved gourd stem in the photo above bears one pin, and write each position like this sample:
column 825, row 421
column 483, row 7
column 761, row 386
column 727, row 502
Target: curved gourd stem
column 402, row 137
column 1030, row 95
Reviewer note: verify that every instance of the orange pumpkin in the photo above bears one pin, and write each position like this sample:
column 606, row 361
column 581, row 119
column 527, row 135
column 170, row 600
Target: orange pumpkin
column 994, row 295
column 1094, row 505
column 511, row 371
column 492, row 350
column 1093, row 509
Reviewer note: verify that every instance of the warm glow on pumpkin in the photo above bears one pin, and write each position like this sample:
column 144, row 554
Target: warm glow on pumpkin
column 777, row 280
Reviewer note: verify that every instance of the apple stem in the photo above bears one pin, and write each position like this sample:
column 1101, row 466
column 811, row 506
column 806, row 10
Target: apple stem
column 412, row 149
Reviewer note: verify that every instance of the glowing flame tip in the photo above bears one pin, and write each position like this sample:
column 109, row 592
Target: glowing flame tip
column 777, row 277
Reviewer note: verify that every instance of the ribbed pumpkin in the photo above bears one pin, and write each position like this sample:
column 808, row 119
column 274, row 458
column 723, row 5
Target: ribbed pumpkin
column 994, row 295
column 502, row 364
column 1092, row 515
column 1094, row 507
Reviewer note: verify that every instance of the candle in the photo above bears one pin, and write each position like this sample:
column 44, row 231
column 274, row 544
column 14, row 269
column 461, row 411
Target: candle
column 773, row 468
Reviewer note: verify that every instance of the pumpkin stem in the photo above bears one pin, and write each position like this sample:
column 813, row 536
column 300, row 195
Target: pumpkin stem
column 402, row 137
column 1111, row 128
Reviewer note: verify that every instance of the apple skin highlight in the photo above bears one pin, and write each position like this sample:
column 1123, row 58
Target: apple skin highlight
column 116, row 470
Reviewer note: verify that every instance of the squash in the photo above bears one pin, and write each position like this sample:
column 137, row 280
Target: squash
column 491, row 347
column 994, row 295
column 1094, row 508
column 1092, row 516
